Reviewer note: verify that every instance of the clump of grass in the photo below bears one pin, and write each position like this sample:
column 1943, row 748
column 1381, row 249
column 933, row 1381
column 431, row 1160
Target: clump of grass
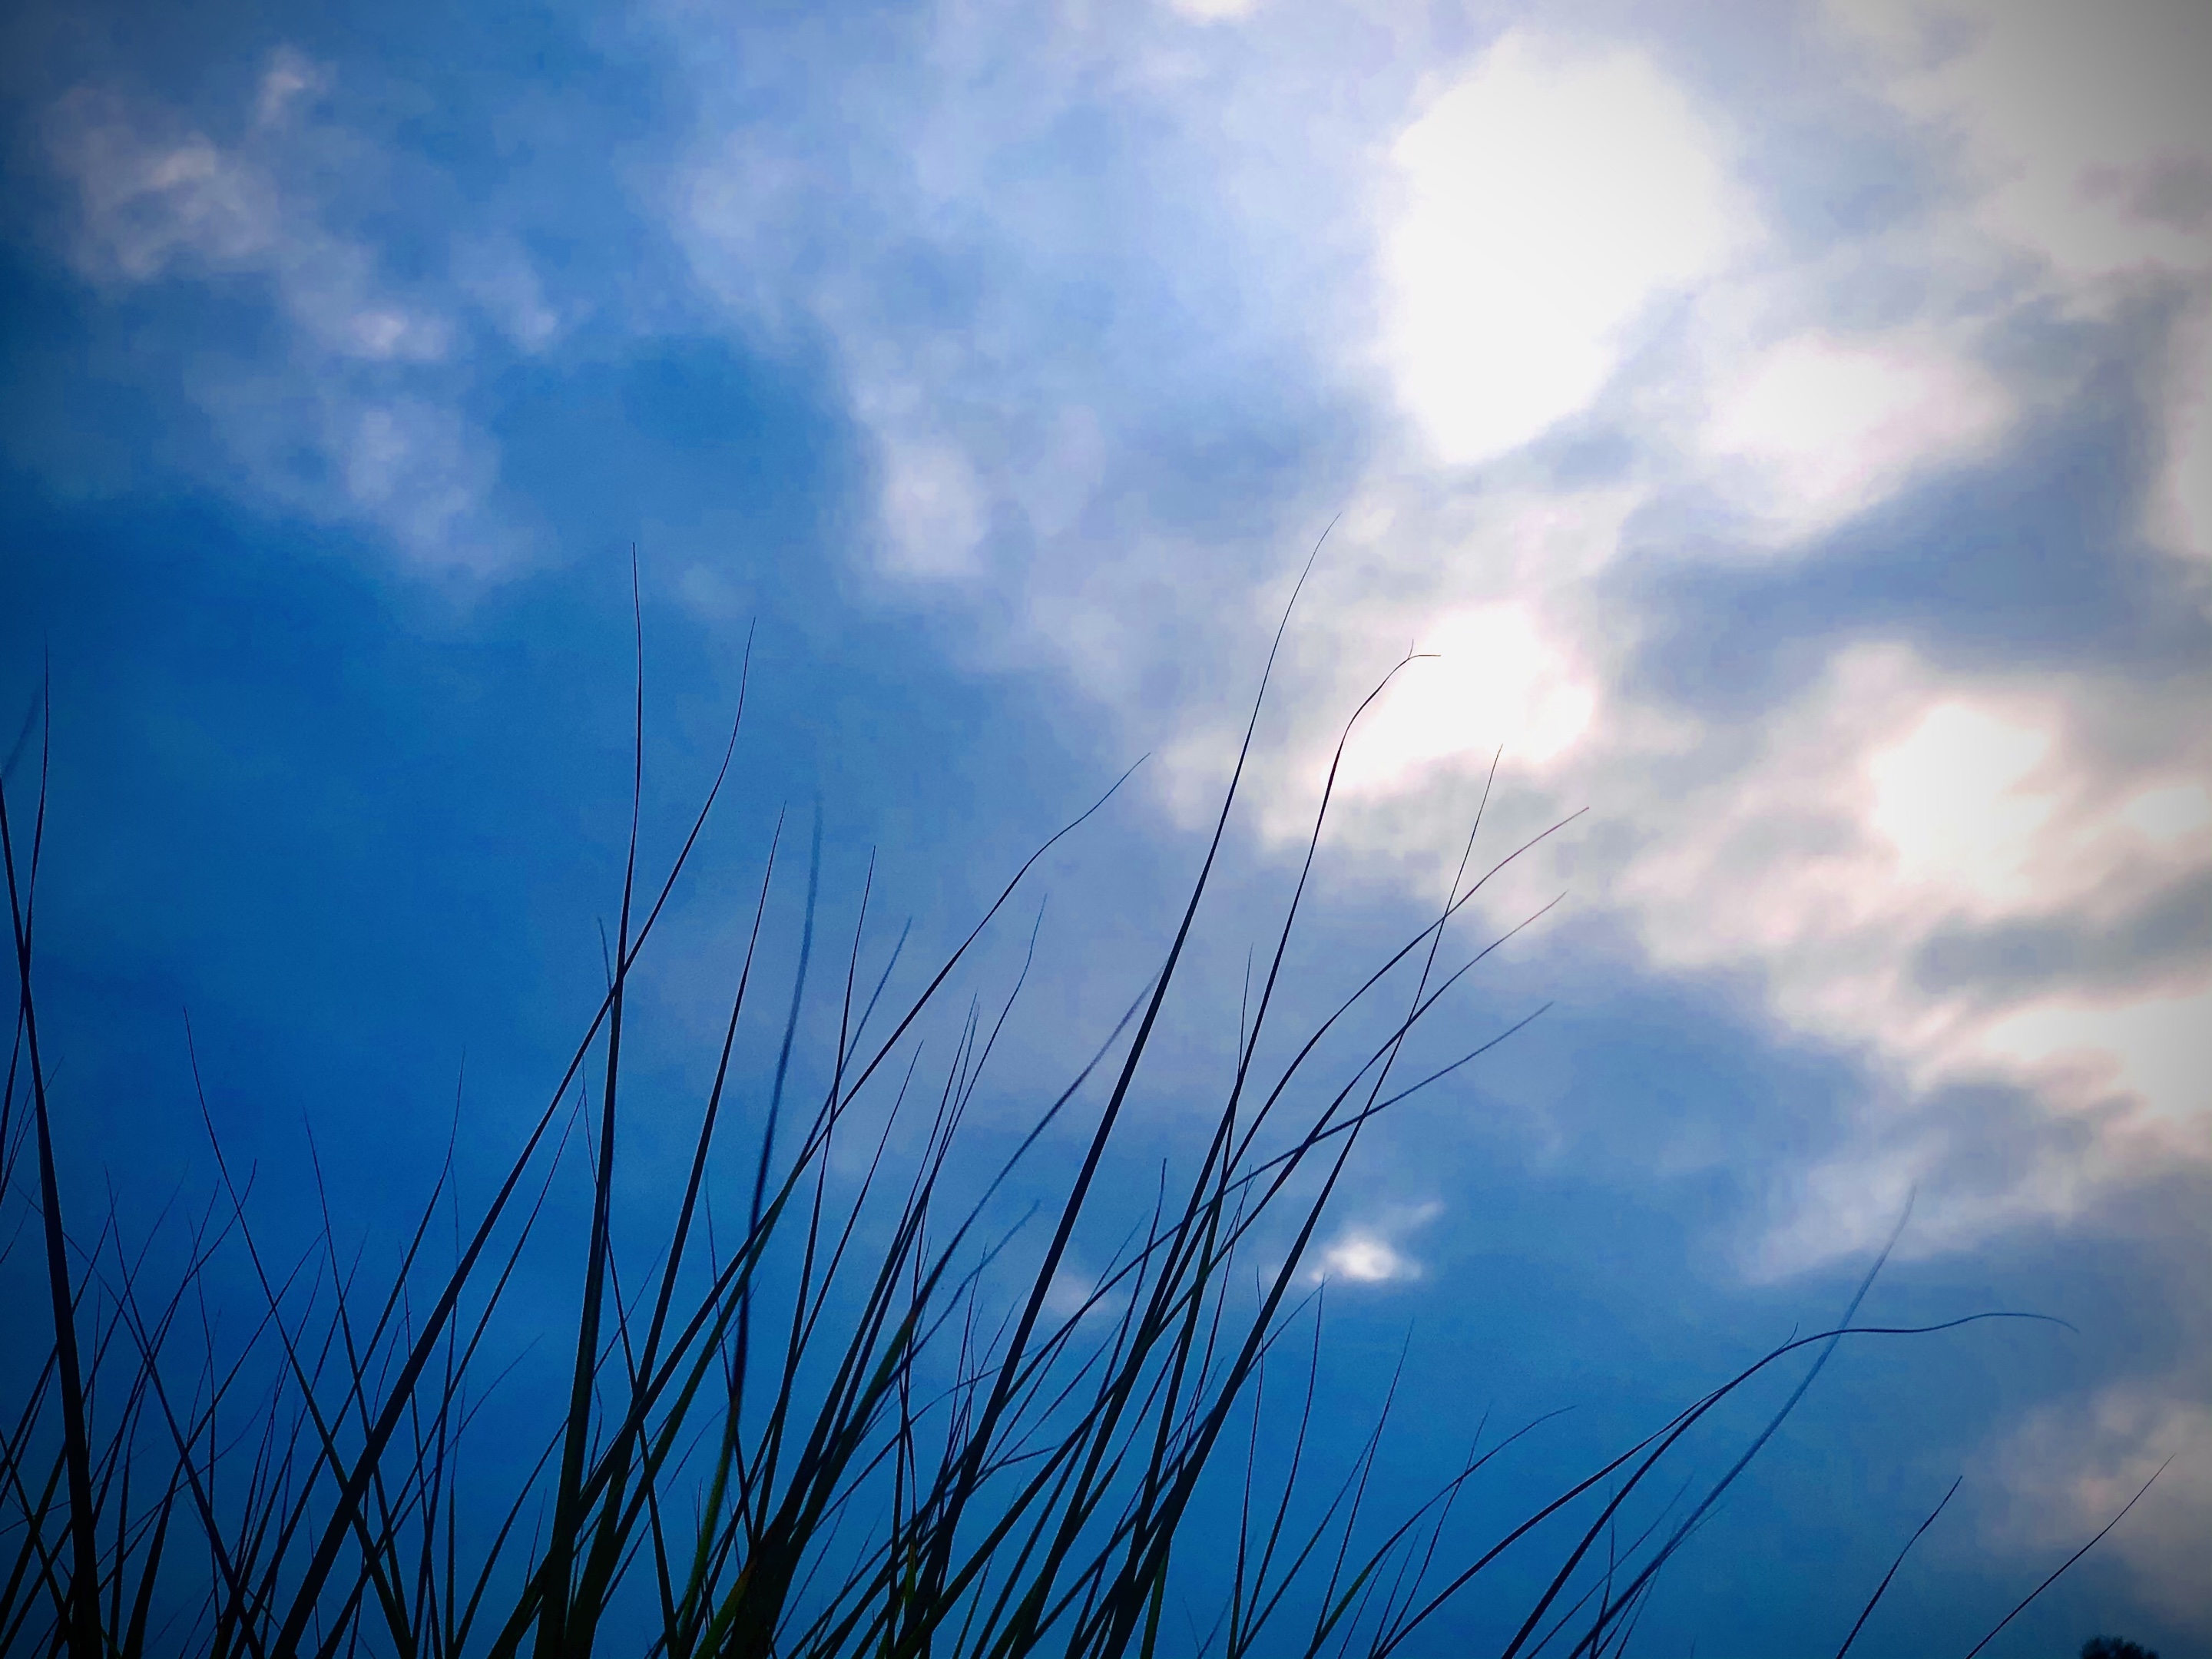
column 831, row 1430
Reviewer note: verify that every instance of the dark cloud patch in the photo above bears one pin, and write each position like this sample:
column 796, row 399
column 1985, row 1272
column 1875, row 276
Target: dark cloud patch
column 2157, row 938
column 2034, row 560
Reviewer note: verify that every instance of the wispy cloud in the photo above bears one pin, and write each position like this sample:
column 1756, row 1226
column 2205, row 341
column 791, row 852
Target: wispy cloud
column 2068, row 1471
column 359, row 415
column 1374, row 1251
column 2082, row 144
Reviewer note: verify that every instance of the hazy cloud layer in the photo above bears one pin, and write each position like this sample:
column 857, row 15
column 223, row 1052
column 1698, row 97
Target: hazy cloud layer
column 1542, row 310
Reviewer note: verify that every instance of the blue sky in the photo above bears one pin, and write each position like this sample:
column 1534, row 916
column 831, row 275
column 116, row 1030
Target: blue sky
column 1784, row 429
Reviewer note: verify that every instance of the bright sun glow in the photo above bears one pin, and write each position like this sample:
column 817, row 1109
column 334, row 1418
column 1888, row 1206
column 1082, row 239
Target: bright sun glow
column 1548, row 198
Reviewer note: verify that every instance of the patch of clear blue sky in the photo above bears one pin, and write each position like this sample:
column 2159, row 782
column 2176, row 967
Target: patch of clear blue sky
column 361, row 828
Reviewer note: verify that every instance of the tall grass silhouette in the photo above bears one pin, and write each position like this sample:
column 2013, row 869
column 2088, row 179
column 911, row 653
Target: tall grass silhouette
column 828, row 1416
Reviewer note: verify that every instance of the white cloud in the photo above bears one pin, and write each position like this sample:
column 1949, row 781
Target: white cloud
column 1372, row 1253
column 2086, row 144
column 1952, row 799
column 1493, row 681
column 2069, row 1470
column 417, row 466
column 933, row 506
column 369, row 368
column 1888, row 802
column 1819, row 428
column 2085, row 128
column 155, row 205
column 291, row 75
column 1076, row 1293
column 1215, row 11
column 147, row 204
column 1825, row 843
column 497, row 274
column 1362, row 1258
column 1976, row 812
column 2153, row 1048
column 1547, row 198
column 2181, row 510
column 2169, row 813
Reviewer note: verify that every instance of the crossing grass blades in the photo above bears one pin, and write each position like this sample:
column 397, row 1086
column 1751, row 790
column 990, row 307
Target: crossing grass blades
column 845, row 1428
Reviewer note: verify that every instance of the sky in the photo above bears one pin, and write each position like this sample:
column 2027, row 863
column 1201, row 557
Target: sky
column 1780, row 433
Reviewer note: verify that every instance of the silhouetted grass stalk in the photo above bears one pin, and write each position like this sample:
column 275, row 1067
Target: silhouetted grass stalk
column 1015, row 1484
